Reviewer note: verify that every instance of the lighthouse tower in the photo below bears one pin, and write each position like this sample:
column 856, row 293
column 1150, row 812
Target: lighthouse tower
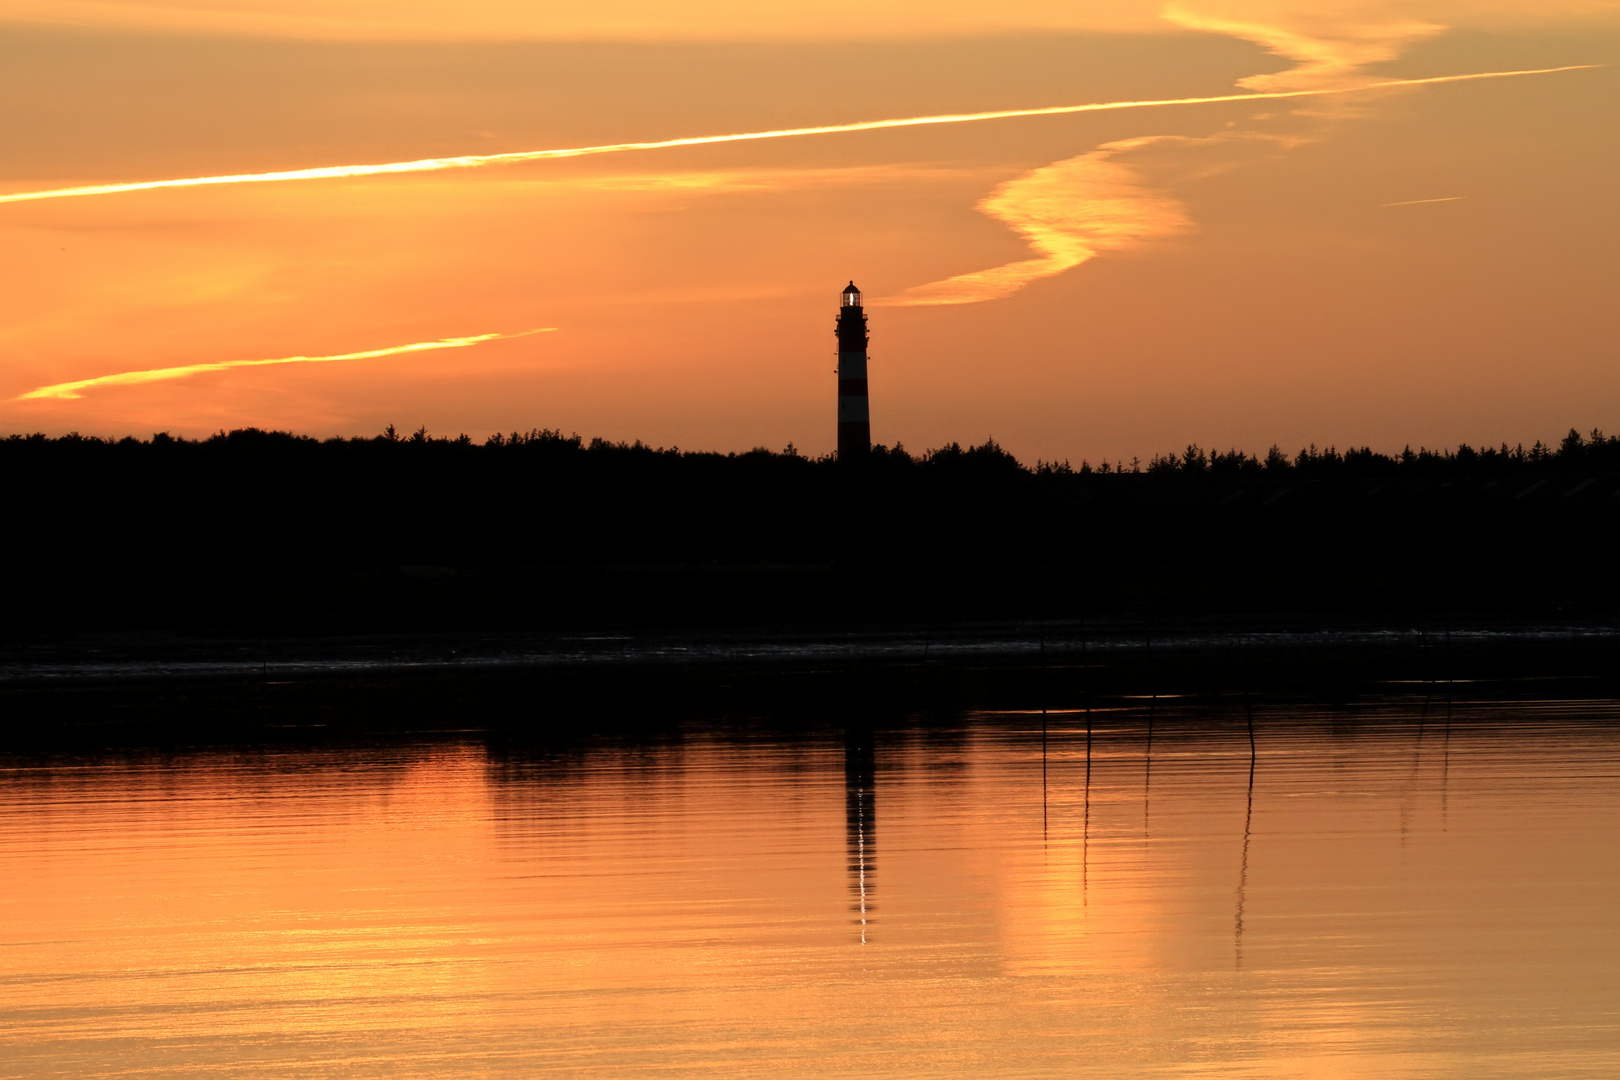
column 854, row 420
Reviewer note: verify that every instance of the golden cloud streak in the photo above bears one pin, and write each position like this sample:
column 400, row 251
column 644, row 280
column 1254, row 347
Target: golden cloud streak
column 70, row 391
column 478, row 161
column 1332, row 52
column 1421, row 202
column 1067, row 212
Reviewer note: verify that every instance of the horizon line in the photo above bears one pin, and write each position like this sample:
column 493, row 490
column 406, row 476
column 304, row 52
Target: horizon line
column 1591, row 438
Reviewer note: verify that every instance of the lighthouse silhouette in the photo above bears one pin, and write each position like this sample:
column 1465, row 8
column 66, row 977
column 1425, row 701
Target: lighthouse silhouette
column 854, row 418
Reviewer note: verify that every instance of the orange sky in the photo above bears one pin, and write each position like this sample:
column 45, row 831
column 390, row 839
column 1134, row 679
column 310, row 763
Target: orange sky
column 1097, row 285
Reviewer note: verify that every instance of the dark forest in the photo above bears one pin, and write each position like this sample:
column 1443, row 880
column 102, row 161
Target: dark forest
column 541, row 530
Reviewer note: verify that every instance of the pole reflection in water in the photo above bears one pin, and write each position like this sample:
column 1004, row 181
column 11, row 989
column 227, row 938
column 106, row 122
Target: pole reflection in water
column 1147, row 776
column 859, row 790
column 1085, row 823
column 1414, row 773
column 1243, row 869
column 1445, row 772
column 1085, row 827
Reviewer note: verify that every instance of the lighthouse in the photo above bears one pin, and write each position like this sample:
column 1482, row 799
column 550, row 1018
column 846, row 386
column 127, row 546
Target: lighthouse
column 854, row 420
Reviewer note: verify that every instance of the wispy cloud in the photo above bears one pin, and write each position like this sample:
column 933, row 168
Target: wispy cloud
column 70, row 391
column 1331, row 51
column 762, row 179
column 1071, row 211
column 475, row 161
column 1420, row 202
column 1068, row 212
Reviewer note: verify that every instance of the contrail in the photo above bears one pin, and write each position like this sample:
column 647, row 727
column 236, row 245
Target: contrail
column 1420, row 202
column 70, row 391
column 477, row 161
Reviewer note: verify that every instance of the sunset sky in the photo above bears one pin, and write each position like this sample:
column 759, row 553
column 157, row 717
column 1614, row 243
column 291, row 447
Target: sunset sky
column 1326, row 264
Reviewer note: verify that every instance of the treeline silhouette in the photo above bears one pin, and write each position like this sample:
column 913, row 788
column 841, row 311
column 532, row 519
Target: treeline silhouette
column 1595, row 452
column 541, row 529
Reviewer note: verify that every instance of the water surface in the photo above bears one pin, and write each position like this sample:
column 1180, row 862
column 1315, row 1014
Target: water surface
column 1394, row 889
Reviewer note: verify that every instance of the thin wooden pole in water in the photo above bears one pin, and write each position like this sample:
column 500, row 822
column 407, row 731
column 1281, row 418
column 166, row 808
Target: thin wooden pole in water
column 1445, row 753
column 264, row 636
column 1147, row 777
column 1451, row 670
column 1445, row 769
column 1423, row 652
column 1153, row 692
column 1085, row 666
column 1085, row 830
column 1153, row 702
column 1248, row 708
column 1085, row 827
column 1043, row 729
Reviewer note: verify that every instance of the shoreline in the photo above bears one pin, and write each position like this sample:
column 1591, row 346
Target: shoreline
column 85, row 696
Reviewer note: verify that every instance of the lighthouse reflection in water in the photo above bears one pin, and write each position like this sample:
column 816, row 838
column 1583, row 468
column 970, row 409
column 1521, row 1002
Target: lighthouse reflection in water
column 860, row 789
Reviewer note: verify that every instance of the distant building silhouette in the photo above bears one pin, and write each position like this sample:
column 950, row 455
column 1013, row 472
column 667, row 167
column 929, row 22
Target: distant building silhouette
column 854, row 419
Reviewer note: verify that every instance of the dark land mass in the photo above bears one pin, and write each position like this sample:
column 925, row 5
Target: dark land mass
column 553, row 695
column 255, row 533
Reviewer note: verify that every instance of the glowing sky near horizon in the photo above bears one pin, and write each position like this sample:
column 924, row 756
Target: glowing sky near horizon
column 1259, row 221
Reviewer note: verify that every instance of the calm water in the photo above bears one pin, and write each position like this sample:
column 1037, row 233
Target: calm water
column 1391, row 893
